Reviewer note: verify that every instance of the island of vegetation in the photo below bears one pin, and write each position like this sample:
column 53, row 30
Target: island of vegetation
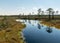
column 53, row 20
column 52, row 23
column 11, row 31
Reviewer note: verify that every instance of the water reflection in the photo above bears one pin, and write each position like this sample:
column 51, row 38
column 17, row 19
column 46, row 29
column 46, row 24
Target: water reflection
column 29, row 21
column 39, row 27
column 38, row 33
column 49, row 29
column 25, row 20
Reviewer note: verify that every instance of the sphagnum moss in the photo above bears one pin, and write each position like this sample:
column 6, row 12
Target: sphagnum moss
column 10, row 31
column 52, row 23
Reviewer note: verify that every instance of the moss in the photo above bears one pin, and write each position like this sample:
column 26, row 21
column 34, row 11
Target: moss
column 10, row 34
column 52, row 23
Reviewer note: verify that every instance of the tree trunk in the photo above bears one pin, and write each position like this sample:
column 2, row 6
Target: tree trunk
column 52, row 15
column 49, row 16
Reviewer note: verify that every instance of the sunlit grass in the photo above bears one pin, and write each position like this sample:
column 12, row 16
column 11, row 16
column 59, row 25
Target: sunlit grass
column 52, row 23
column 10, row 31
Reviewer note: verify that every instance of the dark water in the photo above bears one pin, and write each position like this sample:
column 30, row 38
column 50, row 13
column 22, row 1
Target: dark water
column 35, row 32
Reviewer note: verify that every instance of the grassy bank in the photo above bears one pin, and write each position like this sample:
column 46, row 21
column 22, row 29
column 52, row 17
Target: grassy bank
column 52, row 23
column 10, row 31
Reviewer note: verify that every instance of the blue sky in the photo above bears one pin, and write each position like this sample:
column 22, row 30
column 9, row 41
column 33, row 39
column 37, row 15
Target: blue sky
column 9, row 7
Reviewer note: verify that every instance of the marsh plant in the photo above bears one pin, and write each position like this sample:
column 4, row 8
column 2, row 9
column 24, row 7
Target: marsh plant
column 3, row 23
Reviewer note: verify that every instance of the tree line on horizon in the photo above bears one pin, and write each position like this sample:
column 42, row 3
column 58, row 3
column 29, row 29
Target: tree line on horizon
column 49, row 12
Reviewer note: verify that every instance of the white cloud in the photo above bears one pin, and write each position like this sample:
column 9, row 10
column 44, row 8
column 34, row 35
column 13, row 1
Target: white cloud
column 35, row 8
column 22, row 10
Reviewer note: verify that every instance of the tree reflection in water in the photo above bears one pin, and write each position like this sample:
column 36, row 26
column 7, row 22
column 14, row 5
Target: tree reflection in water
column 39, row 27
column 49, row 29
column 25, row 20
column 29, row 21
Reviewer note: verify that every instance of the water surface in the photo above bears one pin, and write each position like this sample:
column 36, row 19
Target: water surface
column 34, row 32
